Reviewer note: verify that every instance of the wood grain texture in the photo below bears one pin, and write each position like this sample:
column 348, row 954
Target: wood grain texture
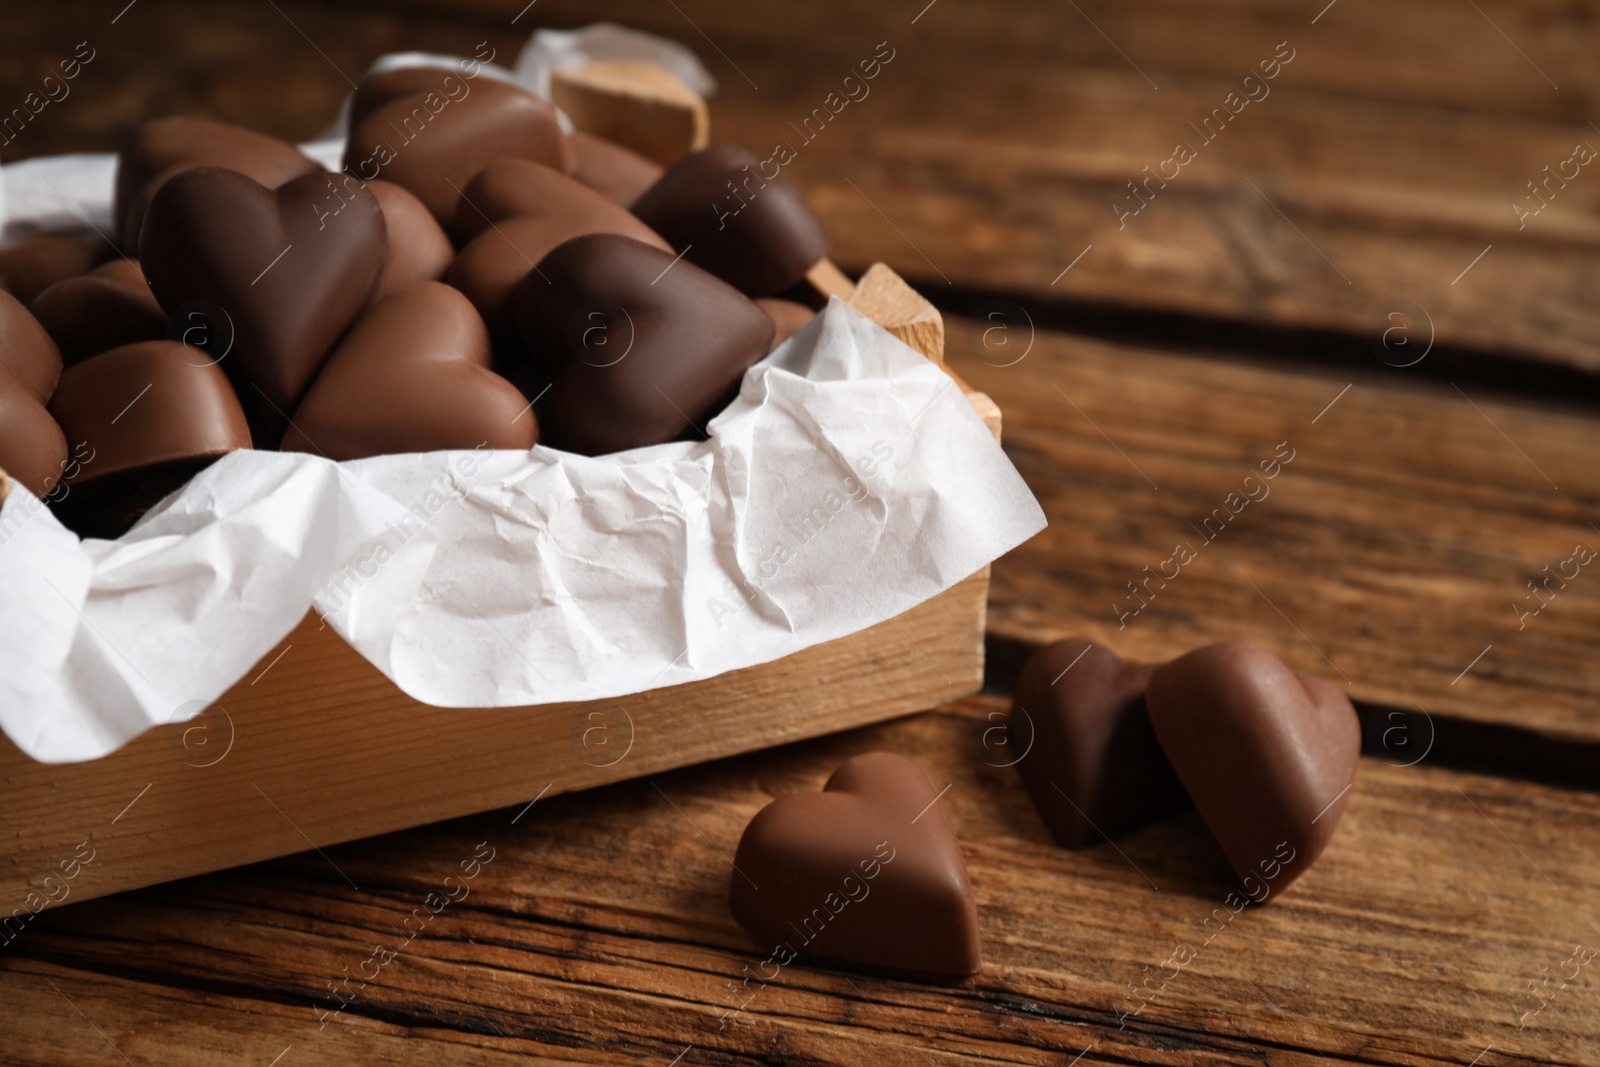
column 1411, row 942
column 1394, row 548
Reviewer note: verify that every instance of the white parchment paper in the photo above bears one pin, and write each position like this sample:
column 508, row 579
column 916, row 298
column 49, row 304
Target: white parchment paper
column 849, row 481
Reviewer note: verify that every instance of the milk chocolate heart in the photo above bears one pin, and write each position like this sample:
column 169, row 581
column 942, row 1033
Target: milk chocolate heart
column 1094, row 767
column 33, row 450
column 107, row 308
column 636, row 349
column 523, row 211
column 720, row 208
column 412, row 376
column 288, row 268
column 1269, row 758
column 147, row 417
column 30, row 265
column 867, row 871
column 418, row 247
column 619, row 174
column 788, row 318
column 26, row 351
column 162, row 148
column 432, row 141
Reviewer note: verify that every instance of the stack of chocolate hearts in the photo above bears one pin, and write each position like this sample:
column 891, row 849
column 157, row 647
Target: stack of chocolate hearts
column 472, row 277
column 868, row 872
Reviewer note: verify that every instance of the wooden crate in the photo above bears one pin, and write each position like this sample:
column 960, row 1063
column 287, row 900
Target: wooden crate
column 315, row 746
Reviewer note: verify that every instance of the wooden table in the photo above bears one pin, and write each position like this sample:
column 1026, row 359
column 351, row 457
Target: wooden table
column 1258, row 299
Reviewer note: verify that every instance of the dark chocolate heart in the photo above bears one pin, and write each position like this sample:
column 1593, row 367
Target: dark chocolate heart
column 432, row 141
column 617, row 173
column 33, row 450
column 418, row 247
column 523, row 211
column 146, row 418
column 636, row 349
column 719, row 208
column 162, row 148
column 867, row 871
column 107, row 308
column 1268, row 757
column 1094, row 767
column 412, row 376
column 30, row 265
column 26, row 351
column 289, row 268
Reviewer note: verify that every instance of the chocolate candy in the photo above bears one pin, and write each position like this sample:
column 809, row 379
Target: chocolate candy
column 1094, row 768
column 33, row 451
column 146, row 418
column 756, row 233
column 162, row 148
column 433, row 140
column 1268, row 757
column 107, row 308
column 788, row 318
column 27, row 353
column 412, row 376
column 30, row 265
column 617, row 173
column 637, row 349
column 523, row 211
column 867, row 871
column 287, row 270
column 418, row 247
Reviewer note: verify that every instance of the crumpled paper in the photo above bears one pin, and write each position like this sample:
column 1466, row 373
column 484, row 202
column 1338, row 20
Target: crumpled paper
column 849, row 481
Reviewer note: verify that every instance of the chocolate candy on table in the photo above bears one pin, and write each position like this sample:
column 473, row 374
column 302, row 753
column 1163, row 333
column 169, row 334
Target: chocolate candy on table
column 145, row 418
column 411, row 376
column 635, row 348
column 30, row 265
column 433, row 140
column 418, row 247
column 33, row 451
column 867, row 871
column 283, row 271
column 523, row 211
column 1268, row 757
column 1093, row 764
column 162, row 148
column 617, row 173
column 755, row 232
column 788, row 318
column 27, row 352
column 107, row 308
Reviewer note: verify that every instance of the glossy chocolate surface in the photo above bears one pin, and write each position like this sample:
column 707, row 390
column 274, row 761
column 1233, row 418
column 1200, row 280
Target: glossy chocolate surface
column 867, row 871
column 418, row 247
column 30, row 265
column 27, row 352
column 635, row 348
column 619, row 174
column 33, row 450
column 107, row 308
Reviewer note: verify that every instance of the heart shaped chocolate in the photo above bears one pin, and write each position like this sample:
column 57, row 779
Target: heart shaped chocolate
column 1268, row 757
column 27, row 353
column 1094, row 767
column 412, row 376
column 33, row 450
column 145, row 418
column 523, row 211
column 636, row 349
column 289, row 269
column 432, row 141
column 418, row 247
column 107, row 308
column 162, row 148
column 867, row 871
column 721, row 209
column 30, row 265
column 616, row 173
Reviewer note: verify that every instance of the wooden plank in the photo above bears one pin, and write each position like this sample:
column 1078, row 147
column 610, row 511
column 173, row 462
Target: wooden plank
column 1394, row 548
column 565, row 952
